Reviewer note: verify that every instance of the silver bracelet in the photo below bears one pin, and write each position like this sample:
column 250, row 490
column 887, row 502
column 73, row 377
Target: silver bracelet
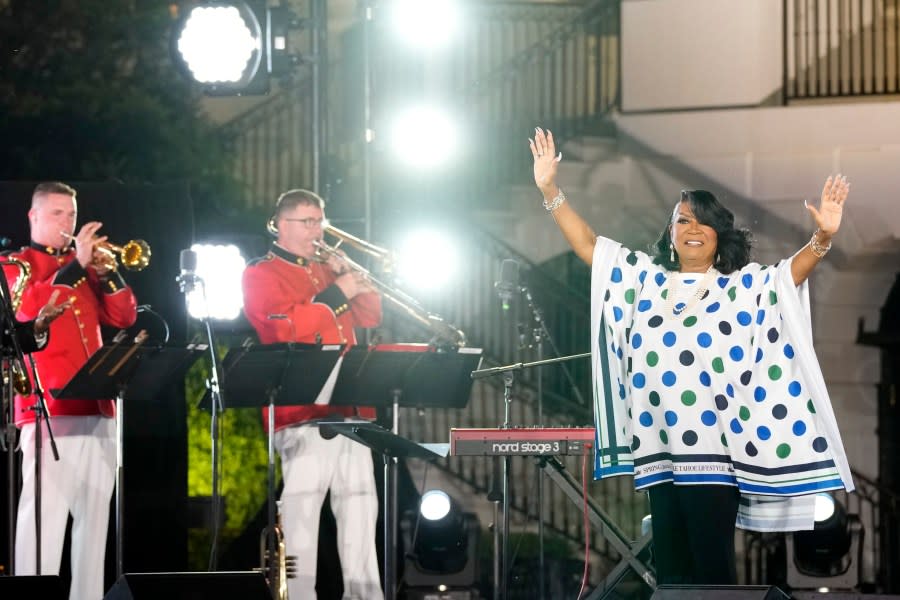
column 818, row 249
column 556, row 202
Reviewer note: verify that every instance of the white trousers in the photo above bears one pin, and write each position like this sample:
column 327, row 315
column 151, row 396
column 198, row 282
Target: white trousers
column 311, row 466
column 80, row 483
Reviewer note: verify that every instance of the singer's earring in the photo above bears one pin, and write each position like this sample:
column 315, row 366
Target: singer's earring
column 718, row 258
column 671, row 252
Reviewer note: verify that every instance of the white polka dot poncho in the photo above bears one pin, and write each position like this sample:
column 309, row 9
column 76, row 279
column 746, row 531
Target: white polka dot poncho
column 720, row 388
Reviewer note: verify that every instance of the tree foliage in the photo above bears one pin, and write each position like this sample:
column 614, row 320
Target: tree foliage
column 89, row 91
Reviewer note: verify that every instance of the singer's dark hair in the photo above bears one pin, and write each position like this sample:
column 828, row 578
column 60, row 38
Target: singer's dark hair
column 297, row 197
column 51, row 187
column 733, row 247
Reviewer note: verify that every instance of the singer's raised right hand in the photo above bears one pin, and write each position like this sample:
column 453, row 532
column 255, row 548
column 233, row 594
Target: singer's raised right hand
column 546, row 161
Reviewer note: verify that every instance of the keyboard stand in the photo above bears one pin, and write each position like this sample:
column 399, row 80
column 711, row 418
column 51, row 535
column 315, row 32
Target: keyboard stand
column 557, row 472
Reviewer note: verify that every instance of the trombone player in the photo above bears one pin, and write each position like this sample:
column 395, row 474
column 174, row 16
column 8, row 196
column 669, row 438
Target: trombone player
column 82, row 481
column 290, row 296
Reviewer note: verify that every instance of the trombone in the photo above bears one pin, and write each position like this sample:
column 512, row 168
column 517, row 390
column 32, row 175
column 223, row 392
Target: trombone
column 135, row 255
column 441, row 329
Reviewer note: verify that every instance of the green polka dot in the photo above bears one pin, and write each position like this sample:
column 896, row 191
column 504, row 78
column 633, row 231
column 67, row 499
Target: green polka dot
column 717, row 365
column 744, row 413
column 692, row 320
column 773, row 298
column 732, row 293
column 783, row 450
column 688, row 398
column 652, row 358
column 810, row 406
column 654, row 398
column 663, row 436
column 665, row 293
column 629, row 413
column 774, row 372
column 724, row 441
column 629, row 296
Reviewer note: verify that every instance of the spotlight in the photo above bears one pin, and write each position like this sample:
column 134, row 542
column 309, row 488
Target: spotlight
column 430, row 23
column 823, row 557
column 443, row 547
column 426, row 260
column 424, row 137
column 231, row 48
column 220, row 267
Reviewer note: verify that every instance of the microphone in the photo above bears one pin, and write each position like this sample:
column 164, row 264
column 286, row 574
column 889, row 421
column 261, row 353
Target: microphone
column 188, row 279
column 509, row 282
column 5, row 242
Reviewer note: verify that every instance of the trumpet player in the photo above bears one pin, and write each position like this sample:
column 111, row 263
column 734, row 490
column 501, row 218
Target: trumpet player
column 81, row 482
column 289, row 296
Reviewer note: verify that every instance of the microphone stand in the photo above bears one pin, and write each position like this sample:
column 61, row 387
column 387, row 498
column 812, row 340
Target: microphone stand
column 187, row 282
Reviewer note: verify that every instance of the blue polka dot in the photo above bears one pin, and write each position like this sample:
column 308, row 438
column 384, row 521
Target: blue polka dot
column 736, row 426
column 644, row 305
column 690, row 281
column 704, row 340
column 789, row 351
column 729, row 389
column 763, row 433
column 660, row 279
column 799, row 428
column 759, row 354
column 705, row 379
column 616, row 275
column 712, row 307
column 638, row 380
column 680, row 306
column 794, row 388
column 747, row 281
column 669, row 378
column 669, row 339
column 621, row 391
column 760, row 316
column 722, row 281
column 759, row 394
column 646, row 419
column 766, row 280
column 736, row 353
column 636, row 340
column 619, row 352
column 617, row 313
column 671, row 417
column 642, row 276
column 708, row 417
column 744, row 318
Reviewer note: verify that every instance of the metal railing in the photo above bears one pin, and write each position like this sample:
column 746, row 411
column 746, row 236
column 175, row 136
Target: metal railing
column 836, row 48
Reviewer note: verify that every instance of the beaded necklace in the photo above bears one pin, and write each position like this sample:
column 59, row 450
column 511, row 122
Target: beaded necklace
column 672, row 292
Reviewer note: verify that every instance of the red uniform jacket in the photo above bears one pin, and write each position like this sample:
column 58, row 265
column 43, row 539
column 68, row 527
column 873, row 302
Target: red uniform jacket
column 75, row 334
column 310, row 309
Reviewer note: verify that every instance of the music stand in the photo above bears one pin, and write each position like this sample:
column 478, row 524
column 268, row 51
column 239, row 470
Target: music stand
column 418, row 377
column 277, row 375
column 107, row 374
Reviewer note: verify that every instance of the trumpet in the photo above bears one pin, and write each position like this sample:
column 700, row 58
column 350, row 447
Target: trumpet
column 440, row 329
column 135, row 255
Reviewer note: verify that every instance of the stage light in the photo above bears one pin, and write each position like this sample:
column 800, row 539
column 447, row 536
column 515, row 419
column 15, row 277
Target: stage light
column 829, row 554
column 220, row 267
column 426, row 260
column 424, row 137
column 221, row 45
column 425, row 23
column 435, row 505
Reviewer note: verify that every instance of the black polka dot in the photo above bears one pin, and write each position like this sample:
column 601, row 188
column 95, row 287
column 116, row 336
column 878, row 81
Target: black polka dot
column 689, row 438
column 686, row 358
column 758, row 297
column 745, row 377
column 721, row 401
column 655, row 321
column 750, row 449
column 635, row 443
column 820, row 444
column 772, row 335
column 606, row 297
column 725, row 327
column 631, row 259
column 705, row 295
column 779, row 411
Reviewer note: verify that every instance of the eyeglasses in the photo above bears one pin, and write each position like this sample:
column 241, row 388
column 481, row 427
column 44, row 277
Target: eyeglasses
column 310, row 222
